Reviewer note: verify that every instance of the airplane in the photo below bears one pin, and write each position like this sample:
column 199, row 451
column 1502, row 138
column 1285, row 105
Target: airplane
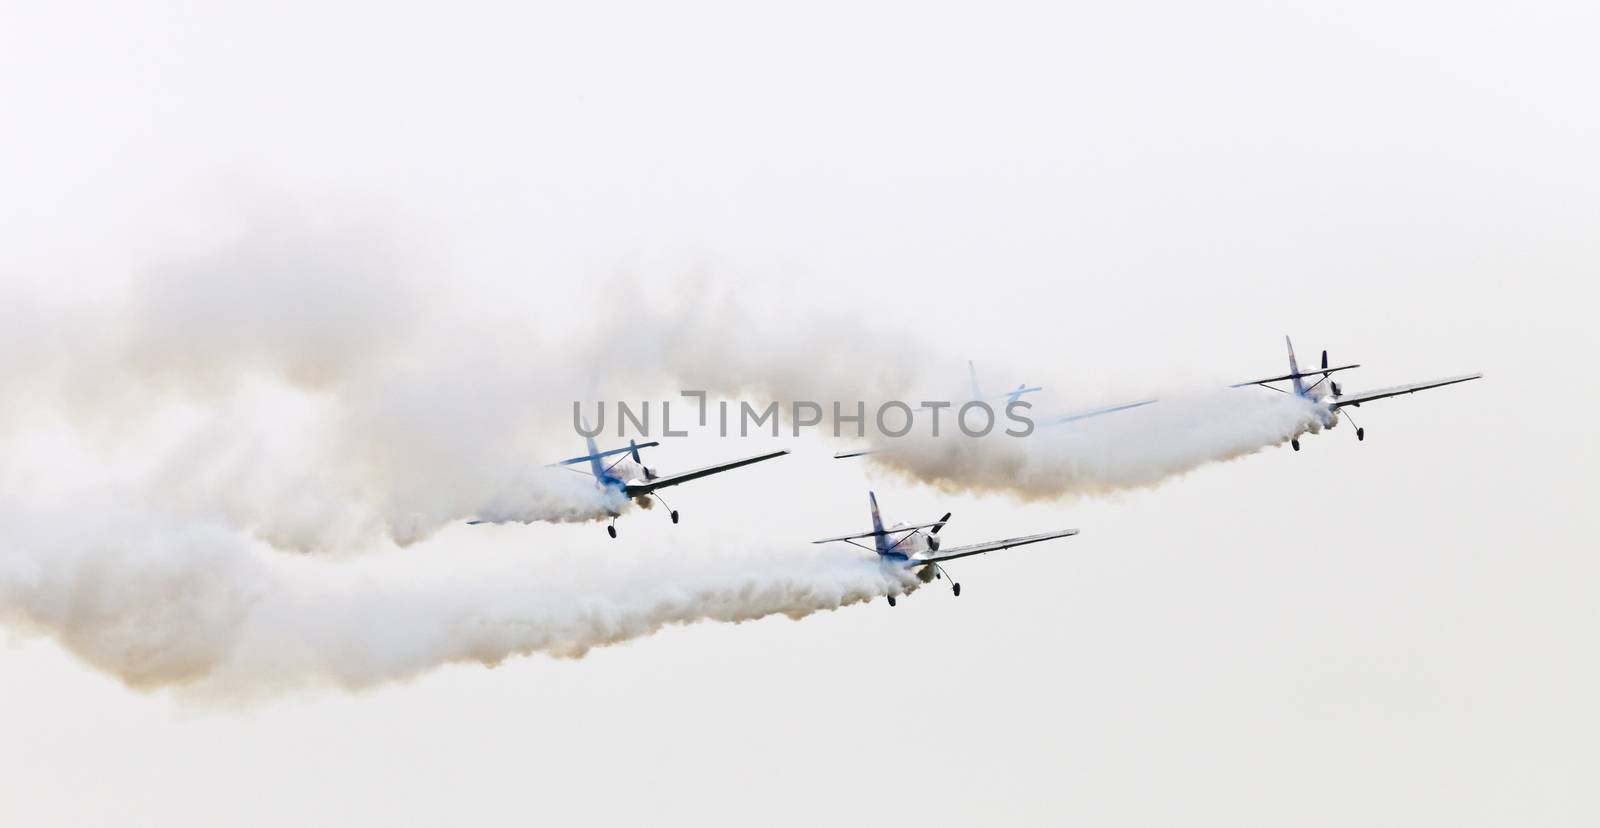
column 1057, row 420
column 1332, row 404
column 919, row 551
column 622, row 489
column 1012, row 397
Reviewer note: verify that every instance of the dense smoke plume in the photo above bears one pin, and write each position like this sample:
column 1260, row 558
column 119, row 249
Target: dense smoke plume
column 214, row 468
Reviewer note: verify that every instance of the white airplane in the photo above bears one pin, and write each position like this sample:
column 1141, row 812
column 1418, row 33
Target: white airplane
column 620, row 489
column 1013, row 396
column 919, row 551
column 1336, row 400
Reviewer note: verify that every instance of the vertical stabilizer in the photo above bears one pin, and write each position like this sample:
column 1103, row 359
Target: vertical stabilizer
column 595, row 468
column 879, row 539
column 1294, row 369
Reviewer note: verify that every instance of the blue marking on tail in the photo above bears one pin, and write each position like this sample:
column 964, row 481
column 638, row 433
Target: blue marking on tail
column 879, row 539
column 595, row 468
column 1294, row 368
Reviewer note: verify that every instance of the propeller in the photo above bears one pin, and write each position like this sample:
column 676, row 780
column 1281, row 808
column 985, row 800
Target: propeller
column 933, row 534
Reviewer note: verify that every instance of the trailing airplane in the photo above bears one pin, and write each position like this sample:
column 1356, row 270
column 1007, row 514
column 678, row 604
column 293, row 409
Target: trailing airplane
column 1012, row 397
column 912, row 548
column 1074, row 416
column 1336, row 400
column 621, row 490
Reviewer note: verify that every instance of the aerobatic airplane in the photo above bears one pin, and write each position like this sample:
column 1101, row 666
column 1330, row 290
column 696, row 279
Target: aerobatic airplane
column 1334, row 402
column 919, row 551
column 645, row 485
column 1011, row 397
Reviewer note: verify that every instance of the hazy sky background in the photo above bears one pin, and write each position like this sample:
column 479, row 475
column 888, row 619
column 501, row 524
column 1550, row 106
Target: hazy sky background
column 1108, row 201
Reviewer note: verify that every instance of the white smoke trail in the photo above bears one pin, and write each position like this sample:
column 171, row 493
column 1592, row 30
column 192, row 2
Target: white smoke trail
column 198, row 606
column 1123, row 450
column 315, row 389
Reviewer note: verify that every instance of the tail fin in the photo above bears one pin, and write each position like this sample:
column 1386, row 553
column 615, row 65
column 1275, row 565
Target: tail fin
column 879, row 539
column 595, row 468
column 1294, row 368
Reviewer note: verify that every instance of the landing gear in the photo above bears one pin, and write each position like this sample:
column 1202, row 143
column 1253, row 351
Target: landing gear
column 891, row 600
column 673, row 513
column 956, row 588
column 611, row 529
column 1295, row 443
column 1361, row 433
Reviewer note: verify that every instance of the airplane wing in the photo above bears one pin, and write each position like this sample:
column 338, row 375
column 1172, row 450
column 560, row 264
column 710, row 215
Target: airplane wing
column 980, row 548
column 840, row 455
column 895, row 531
column 648, row 486
column 598, row 455
column 1369, row 396
column 1310, row 373
column 1094, row 412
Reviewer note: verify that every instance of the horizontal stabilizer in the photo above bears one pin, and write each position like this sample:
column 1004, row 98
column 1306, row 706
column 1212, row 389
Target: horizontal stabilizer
column 598, row 455
column 1315, row 372
column 895, row 531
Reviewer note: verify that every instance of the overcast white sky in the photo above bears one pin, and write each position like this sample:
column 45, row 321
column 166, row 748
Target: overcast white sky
column 1109, row 199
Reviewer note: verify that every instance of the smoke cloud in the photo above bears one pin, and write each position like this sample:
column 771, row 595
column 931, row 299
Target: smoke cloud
column 218, row 470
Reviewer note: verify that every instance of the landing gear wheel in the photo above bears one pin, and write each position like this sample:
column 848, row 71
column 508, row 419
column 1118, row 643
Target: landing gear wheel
column 891, row 600
column 674, row 515
column 611, row 530
column 1361, row 434
column 956, row 588
column 1296, row 444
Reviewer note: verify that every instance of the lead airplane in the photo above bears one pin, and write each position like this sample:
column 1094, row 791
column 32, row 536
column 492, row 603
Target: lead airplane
column 619, row 489
column 919, row 551
column 1336, row 400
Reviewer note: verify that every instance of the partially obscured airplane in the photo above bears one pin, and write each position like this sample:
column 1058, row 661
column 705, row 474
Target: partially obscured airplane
column 919, row 551
column 638, row 488
column 1011, row 397
column 1336, row 400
